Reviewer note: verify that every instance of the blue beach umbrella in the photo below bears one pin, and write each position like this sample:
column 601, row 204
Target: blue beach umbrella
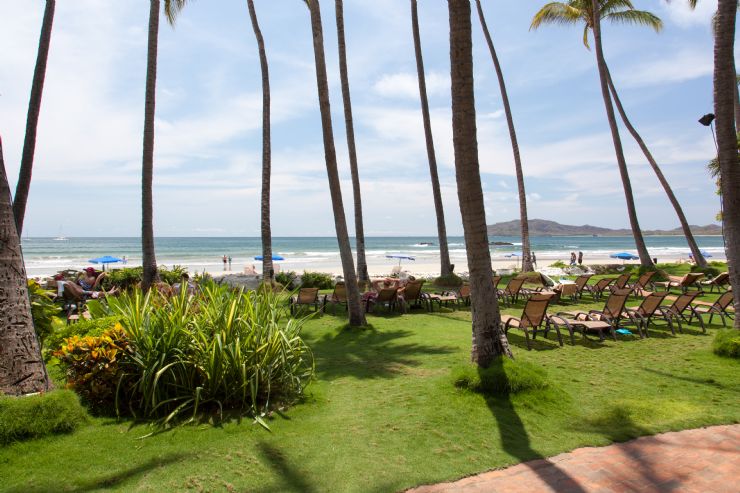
column 400, row 256
column 274, row 257
column 624, row 256
column 107, row 259
column 704, row 253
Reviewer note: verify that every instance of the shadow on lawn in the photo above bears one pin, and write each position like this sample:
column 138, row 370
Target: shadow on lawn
column 515, row 441
column 702, row 381
column 368, row 353
column 111, row 480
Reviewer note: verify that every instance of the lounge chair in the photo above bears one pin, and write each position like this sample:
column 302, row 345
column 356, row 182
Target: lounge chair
column 581, row 282
column 597, row 290
column 496, row 281
column 510, row 294
column 621, row 281
column 582, row 326
column 611, row 314
column 533, row 316
column 412, row 295
column 720, row 281
column 723, row 307
column 443, row 298
column 684, row 283
column 463, row 294
column 337, row 297
column 387, row 297
column 642, row 315
column 305, row 297
column 675, row 311
column 640, row 286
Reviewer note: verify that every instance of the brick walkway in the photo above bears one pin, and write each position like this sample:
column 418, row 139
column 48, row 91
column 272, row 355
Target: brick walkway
column 702, row 460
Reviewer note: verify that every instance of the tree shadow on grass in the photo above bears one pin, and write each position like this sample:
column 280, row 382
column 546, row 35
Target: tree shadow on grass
column 368, row 353
column 291, row 479
column 539, row 344
column 114, row 479
column 702, row 381
column 515, row 441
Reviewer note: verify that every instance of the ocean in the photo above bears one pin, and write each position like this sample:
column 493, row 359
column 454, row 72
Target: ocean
column 44, row 256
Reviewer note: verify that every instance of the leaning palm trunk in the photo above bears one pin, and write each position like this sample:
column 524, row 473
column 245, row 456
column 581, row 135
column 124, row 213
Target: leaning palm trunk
column 32, row 120
column 352, row 150
column 147, row 169
column 444, row 251
column 698, row 257
column 267, row 269
column 724, row 100
column 356, row 314
column 489, row 341
column 645, row 259
column 526, row 249
column 22, row 369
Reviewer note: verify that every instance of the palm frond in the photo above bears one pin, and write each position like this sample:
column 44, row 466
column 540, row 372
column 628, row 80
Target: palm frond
column 558, row 13
column 172, row 9
column 586, row 29
column 608, row 6
column 638, row 17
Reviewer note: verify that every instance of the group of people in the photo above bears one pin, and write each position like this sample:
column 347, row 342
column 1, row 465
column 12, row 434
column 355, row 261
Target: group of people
column 87, row 285
column 227, row 261
column 573, row 258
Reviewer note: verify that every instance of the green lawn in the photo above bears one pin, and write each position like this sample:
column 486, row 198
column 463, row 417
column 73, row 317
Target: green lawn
column 383, row 415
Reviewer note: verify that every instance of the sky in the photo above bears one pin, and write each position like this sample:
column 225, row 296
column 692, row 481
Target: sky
column 87, row 169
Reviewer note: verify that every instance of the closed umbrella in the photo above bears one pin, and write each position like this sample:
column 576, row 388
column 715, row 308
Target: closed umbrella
column 274, row 257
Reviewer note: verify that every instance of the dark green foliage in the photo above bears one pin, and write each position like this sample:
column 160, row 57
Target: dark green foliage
column 317, row 280
column 727, row 343
column 128, row 277
column 504, row 376
column 43, row 310
column 287, row 279
column 171, row 276
column 559, row 264
column 449, row 281
column 22, row 418
column 93, row 327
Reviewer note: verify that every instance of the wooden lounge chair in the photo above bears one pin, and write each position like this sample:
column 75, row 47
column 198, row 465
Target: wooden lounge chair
column 337, row 297
column 720, row 281
column 413, row 296
column 597, row 290
column 582, row 326
column 581, row 282
column 723, row 307
column 387, row 297
column 642, row 315
column 463, row 294
column 496, row 281
column 443, row 298
column 305, row 297
column 675, row 311
column 684, row 283
column 621, row 281
column 640, row 286
column 510, row 293
column 533, row 316
column 611, row 314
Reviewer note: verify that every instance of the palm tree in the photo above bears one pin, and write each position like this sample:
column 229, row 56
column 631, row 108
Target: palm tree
column 526, row 249
column 267, row 269
column 356, row 314
column 22, row 368
column 444, row 251
column 32, row 120
column 591, row 12
column 724, row 101
column 352, row 150
column 489, row 341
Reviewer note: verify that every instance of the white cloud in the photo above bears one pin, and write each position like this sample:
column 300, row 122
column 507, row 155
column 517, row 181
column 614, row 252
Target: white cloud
column 406, row 85
column 678, row 12
column 680, row 66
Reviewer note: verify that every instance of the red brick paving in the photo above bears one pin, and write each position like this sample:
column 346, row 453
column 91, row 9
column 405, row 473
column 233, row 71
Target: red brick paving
column 702, row 460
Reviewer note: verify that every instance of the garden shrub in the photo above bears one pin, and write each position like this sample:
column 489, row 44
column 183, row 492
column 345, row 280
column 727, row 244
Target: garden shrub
column 92, row 327
column 504, row 376
column 94, row 366
column 559, row 264
column 450, row 280
column 709, row 271
column 128, row 277
column 38, row 415
column 317, row 280
column 43, row 310
column 727, row 343
column 287, row 279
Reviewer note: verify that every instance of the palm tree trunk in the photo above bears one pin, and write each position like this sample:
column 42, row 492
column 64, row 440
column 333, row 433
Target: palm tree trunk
column 267, row 269
column 645, row 259
column 444, row 250
column 737, row 98
column 22, row 369
column 356, row 313
column 32, row 120
column 147, row 169
column 724, row 99
column 489, row 341
column 696, row 253
column 526, row 249
column 352, row 150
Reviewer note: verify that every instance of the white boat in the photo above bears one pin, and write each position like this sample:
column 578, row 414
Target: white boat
column 61, row 237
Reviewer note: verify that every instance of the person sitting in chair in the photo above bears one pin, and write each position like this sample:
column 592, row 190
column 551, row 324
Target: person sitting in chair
column 91, row 279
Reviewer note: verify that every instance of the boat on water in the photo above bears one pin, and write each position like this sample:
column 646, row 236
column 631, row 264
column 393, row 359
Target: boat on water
column 61, row 236
column 425, row 243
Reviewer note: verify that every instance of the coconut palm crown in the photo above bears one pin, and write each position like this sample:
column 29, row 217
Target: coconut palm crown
column 575, row 11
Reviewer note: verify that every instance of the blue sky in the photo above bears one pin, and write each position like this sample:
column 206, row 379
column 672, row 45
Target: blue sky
column 208, row 126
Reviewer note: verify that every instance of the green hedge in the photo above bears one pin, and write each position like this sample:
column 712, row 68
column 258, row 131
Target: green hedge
column 22, row 418
column 727, row 343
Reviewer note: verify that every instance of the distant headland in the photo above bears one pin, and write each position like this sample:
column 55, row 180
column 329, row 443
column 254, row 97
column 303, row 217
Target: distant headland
column 542, row 227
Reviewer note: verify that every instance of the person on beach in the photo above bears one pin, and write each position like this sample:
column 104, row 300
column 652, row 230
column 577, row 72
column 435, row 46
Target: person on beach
column 229, row 262
column 534, row 260
column 225, row 259
column 580, row 258
column 184, row 283
column 572, row 258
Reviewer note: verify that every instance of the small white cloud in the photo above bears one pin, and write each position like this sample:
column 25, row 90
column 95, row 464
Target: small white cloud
column 406, row 85
column 680, row 66
column 678, row 12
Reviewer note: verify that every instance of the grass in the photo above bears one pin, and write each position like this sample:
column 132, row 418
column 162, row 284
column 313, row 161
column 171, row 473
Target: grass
column 38, row 415
column 384, row 414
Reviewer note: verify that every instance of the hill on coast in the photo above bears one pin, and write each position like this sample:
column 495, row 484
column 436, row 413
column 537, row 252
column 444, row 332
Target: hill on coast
column 542, row 227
